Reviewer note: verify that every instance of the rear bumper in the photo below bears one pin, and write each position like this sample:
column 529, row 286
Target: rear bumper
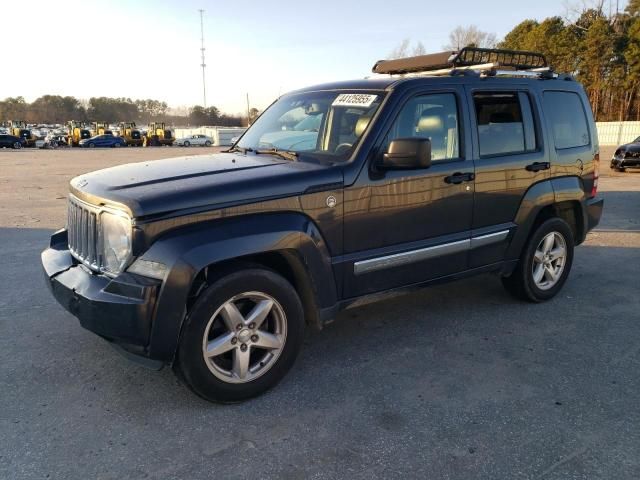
column 594, row 208
column 119, row 309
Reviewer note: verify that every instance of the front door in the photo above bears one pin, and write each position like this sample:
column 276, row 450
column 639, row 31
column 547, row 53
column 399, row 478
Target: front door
column 408, row 226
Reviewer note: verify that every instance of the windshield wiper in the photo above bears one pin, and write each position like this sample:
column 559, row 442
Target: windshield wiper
column 242, row 150
column 286, row 154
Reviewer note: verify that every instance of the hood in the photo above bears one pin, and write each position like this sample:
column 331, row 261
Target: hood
column 202, row 182
column 631, row 147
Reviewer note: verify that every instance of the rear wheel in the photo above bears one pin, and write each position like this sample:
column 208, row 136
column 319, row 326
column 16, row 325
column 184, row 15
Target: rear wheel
column 241, row 337
column 545, row 263
column 207, row 143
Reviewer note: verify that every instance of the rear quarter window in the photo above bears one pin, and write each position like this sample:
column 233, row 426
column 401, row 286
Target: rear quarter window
column 566, row 115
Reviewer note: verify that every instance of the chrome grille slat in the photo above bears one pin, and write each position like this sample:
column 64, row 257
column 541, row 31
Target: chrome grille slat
column 82, row 232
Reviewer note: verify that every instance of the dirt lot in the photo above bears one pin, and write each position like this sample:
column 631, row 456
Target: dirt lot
column 458, row 381
column 40, row 178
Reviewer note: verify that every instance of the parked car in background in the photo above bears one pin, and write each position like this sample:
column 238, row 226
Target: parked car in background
column 11, row 141
column 626, row 156
column 106, row 140
column 199, row 139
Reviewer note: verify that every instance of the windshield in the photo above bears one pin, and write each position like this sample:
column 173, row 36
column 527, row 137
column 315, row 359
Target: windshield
column 318, row 124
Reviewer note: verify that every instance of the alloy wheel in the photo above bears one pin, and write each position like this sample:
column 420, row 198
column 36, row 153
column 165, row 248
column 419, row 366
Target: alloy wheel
column 549, row 260
column 244, row 337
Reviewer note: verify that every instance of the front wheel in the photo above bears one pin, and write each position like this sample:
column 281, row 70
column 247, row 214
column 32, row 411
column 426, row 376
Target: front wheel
column 545, row 263
column 187, row 144
column 207, row 143
column 241, row 337
column 17, row 145
column 116, row 145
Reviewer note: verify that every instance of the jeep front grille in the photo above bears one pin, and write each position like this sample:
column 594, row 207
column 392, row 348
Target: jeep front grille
column 82, row 230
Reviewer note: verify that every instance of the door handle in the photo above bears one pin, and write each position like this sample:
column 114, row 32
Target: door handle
column 460, row 177
column 537, row 166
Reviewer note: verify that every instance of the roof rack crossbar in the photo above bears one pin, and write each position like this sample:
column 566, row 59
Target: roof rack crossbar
column 468, row 57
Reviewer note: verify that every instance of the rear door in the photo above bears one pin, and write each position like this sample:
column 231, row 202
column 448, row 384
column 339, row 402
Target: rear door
column 510, row 156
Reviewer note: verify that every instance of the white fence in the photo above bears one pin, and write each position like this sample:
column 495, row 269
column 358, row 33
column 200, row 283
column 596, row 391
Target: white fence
column 609, row 133
column 617, row 133
column 221, row 135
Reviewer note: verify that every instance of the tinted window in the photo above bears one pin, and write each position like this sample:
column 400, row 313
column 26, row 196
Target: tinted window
column 430, row 116
column 567, row 118
column 505, row 123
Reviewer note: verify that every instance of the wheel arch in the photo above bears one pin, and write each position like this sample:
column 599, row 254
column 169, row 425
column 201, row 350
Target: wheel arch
column 560, row 197
column 287, row 243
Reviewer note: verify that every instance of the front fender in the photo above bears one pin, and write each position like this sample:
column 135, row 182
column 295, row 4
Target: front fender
column 188, row 250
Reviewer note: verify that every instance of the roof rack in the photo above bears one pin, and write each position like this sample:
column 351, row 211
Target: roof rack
column 482, row 61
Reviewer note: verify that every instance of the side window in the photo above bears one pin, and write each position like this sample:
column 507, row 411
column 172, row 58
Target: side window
column 505, row 123
column 430, row 116
column 566, row 115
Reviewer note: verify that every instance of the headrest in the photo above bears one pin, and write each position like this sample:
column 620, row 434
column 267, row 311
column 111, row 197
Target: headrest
column 430, row 123
column 361, row 125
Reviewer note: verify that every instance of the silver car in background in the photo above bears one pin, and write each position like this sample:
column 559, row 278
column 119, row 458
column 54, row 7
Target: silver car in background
column 198, row 139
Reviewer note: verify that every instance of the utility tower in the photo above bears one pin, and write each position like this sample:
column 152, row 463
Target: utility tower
column 203, row 64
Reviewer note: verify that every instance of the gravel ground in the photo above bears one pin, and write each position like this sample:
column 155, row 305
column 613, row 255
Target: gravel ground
column 457, row 381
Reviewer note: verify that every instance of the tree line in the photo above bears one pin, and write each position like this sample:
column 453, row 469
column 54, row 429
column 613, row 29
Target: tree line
column 601, row 49
column 56, row 109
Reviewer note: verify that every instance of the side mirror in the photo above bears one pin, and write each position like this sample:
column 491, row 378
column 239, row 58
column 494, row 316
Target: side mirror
column 407, row 154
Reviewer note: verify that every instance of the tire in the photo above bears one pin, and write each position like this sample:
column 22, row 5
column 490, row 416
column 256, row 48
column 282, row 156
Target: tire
column 17, row 145
column 522, row 283
column 116, row 145
column 207, row 143
column 92, row 145
column 220, row 377
column 187, row 144
column 621, row 170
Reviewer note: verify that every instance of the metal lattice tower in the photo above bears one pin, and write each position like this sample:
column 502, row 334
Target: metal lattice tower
column 203, row 64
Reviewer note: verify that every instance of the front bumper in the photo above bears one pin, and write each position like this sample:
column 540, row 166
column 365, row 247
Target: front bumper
column 119, row 309
column 626, row 162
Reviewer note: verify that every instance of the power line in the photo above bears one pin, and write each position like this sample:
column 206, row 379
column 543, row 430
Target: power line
column 203, row 64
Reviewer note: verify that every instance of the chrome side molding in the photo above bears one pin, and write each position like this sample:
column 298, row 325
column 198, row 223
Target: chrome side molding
column 412, row 256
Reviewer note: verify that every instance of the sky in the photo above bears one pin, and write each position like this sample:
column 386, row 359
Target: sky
column 151, row 49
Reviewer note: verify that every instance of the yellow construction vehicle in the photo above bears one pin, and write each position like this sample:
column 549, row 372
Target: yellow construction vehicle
column 77, row 131
column 131, row 134
column 158, row 135
column 98, row 128
column 19, row 128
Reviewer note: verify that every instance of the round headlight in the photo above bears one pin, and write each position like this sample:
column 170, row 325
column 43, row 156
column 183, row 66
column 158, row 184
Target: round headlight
column 115, row 241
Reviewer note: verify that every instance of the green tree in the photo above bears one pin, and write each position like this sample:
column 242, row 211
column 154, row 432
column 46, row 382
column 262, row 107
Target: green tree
column 633, row 8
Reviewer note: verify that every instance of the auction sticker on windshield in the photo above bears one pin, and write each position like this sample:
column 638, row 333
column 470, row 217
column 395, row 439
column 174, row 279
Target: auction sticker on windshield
column 354, row 100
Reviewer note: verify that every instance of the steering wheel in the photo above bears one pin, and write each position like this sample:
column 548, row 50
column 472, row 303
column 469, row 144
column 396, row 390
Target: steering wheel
column 342, row 148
